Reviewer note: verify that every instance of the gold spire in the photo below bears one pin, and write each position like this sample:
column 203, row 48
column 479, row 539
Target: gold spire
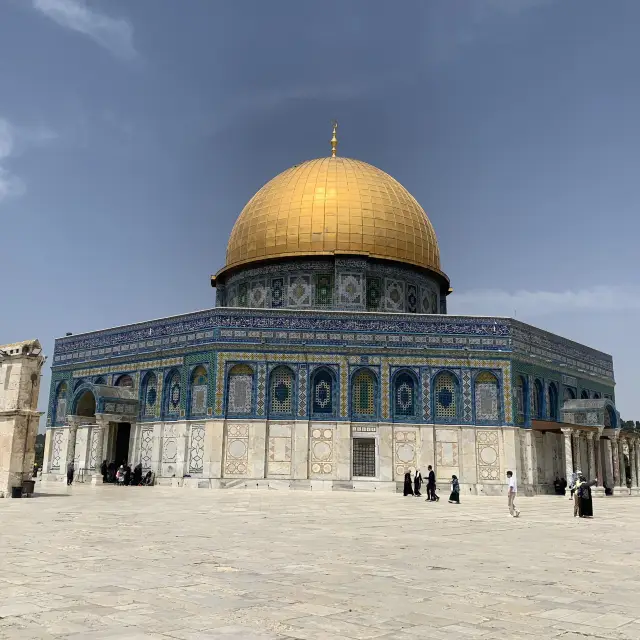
column 334, row 139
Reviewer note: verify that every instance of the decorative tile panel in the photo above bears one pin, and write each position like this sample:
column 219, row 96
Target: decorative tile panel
column 467, row 403
column 196, row 449
column 321, row 449
column 279, row 450
column 146, row 448
column 56, row 448
column 236, row 461
column 488, row 455
column 404, row 450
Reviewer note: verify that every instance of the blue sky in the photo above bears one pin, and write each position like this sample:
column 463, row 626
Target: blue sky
column 132, row 133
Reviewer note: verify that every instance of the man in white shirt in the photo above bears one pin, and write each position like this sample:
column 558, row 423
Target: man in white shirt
column 513, row 490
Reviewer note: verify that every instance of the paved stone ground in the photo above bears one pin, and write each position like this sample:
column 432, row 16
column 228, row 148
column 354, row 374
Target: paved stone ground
column 160, row 563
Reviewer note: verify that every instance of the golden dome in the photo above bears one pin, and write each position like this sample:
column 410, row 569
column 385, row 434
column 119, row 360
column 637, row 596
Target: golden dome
column 333, row 206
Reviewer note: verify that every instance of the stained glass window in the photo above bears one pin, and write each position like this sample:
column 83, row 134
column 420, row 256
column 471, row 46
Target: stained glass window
column 61, row 404
column 363, row 394
column 374, row 293
column 174, row 394
column 199, row 381
column 486, row 397
column 324, row 289
column 322, row 389
column 568, row 394
column 537, row 400
column 281, row 391
column 521, row 396
column 404, row 395
column 150, row 394
column 445, row 396
column 553, row 401
column 240, row 397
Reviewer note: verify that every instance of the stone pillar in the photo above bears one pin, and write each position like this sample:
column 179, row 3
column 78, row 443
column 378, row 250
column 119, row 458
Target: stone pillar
column 607, row 465
column 633, row 457
column 615, row 454
column 637, row 465
column 595, row 469
column 99, row 433
column 575, row 438
column 623, row 466
column 590, row 473
column 72, row 436
column 568, row 457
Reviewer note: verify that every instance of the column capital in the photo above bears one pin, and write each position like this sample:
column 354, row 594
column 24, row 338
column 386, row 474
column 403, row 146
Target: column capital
column 567, row 430
column 77, row 421
column 101, row 421
column 593, row 436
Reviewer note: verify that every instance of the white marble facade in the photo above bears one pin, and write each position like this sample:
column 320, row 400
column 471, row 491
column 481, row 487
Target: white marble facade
column 233, row 453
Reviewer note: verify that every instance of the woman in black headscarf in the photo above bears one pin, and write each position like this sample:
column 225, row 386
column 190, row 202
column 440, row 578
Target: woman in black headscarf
column 408, row 489
column 585, row 502
column 417, row 483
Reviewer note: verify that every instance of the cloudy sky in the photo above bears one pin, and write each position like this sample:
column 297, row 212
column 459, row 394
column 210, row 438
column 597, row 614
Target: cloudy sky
column 132, row 133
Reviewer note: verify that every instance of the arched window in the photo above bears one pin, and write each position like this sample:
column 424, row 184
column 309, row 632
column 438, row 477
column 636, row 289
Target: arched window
column 568, row 394
column 240, row 390
column 553, row 401
column 149, row 395
column 61, row 404
column 363, row 394
column 99, row 380
column 486, row 397
column 86, row 405
column 322, row 390
column 173, row 394
column 124, row 381
column 596, row 395
column 199, row 383
column 610, row 418
column 404, row 395
column 537, row 400
column 281, row 392
column 522, row 400
column 584, row 395
column 77, row 384
column 445, row 389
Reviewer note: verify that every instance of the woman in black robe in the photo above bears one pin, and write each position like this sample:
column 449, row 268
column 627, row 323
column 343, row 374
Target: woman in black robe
column 585, row 501
column 454, row 498
column 417, row 483
column 408, row 489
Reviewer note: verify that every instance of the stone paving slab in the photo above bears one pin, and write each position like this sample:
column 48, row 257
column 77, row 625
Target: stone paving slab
column 160, row 564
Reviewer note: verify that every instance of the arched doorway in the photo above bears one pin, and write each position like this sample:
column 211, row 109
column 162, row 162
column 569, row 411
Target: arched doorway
column 121, row 443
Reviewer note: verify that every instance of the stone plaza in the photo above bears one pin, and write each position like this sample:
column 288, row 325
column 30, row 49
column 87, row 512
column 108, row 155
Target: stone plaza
column 164, row 563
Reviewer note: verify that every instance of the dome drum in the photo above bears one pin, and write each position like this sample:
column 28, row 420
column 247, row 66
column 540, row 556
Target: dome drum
column 348, row 283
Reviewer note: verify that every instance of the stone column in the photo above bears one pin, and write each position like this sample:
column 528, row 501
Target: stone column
column 599, row 475
column 98, row 433
column 568, row 458
column 72, row 436
column 633, row 457
column 595, row 468
column 577, row 462
column 623, row 467
column 607, row 464
column 591, row 471
column 615, row 454
column 637, row 465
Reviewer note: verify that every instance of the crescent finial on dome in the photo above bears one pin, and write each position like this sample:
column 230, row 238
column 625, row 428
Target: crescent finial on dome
column 334, row 139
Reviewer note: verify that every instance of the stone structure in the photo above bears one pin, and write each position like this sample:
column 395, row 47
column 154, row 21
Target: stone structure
column 329, row 362
column 20, row 366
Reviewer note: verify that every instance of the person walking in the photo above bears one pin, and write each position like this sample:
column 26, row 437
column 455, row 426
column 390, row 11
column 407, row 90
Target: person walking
column 513, row 490
column 70, row 471
column 431, row 485
column 408, row 489
column 417, row 483
column 454, row 498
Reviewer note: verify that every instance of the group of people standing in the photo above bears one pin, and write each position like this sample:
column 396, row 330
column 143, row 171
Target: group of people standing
column 123, row 475
column 412, row 486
